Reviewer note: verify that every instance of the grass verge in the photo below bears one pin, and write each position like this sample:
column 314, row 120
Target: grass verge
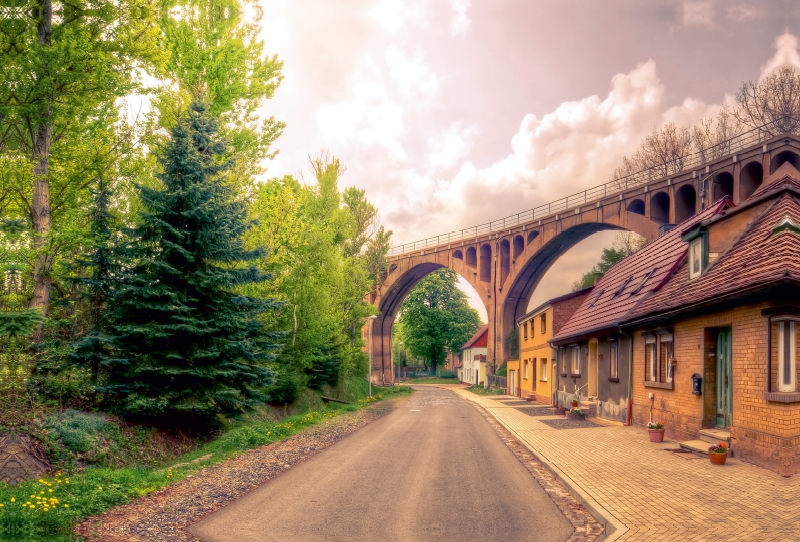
column 478, row 389
column 47, row 509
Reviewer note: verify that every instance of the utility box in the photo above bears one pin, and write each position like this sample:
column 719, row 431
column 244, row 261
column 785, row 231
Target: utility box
column 697, row 384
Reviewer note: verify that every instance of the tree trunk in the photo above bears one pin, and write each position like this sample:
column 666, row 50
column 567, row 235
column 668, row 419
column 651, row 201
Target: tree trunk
column 40, row 210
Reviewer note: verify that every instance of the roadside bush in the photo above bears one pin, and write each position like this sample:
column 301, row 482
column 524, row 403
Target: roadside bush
column 78, row 431
column 447, row 374
column 283, row 391
column 502, row 371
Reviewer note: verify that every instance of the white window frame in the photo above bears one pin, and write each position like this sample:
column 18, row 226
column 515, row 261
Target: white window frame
column 575, row 360
column 562, row 353
column 787, row 327
column 670, row 353
column 696, row 257
column 543, row 374
column 525, row 365
column 650, row 344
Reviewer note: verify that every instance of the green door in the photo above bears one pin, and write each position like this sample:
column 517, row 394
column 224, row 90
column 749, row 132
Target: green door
column 724, row 379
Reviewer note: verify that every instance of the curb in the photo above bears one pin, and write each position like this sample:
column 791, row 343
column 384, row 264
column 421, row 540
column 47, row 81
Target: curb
column 612, row 527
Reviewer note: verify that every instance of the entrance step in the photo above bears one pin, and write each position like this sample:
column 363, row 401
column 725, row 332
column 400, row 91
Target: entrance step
column 713, row 436
column 700, row 446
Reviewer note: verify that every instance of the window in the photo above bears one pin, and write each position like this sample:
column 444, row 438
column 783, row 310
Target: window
column 622, row 286
column 643, row 281
column 562, row 355
column 543, row 372
column 525, row 366
column 576, row 360
column 544, row 323
column 658, row 354
column 695, row 257
column 787, row 358
column 532, row 332
column 525, row 330
column 596, row 298
column 613, row 359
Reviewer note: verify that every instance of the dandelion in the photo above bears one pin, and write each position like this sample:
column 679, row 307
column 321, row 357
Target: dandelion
column 99, row 488
column 66, row 506
column 13, row 499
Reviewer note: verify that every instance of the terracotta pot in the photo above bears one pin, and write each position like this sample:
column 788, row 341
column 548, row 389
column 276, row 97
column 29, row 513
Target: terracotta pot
column 718, row 459
column 574, row 404
column 656, row 435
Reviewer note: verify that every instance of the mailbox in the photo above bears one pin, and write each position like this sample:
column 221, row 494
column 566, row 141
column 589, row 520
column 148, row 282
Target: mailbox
column 697, row 383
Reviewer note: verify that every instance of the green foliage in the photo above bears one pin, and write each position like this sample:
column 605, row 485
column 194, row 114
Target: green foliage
column 447, row 374
column 283, row 391
column 625, row 244
column 479, row 389
column 78, row 431
column 435, row 319
column 502, row 371
column 183, row 343
column 512, row 344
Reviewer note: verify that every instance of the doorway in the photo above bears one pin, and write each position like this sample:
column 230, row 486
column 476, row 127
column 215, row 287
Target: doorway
column 724, row 380
column 592, row 381
column 512, row 382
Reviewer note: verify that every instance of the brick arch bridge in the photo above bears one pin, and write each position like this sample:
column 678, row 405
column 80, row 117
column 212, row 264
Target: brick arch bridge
column 505, row 260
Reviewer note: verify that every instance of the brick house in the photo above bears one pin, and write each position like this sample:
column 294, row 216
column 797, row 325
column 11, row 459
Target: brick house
column 473, row 357
column 730, row 314
column 594, row 349
column 534, row 375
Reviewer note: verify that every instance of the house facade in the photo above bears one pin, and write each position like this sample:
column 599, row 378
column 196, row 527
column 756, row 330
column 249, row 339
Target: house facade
column 535, row 373
column 715, row 348
column 594, row 350
column 473, row 357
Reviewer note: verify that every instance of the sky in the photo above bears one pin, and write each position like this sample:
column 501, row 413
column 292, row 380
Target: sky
column 452, row 113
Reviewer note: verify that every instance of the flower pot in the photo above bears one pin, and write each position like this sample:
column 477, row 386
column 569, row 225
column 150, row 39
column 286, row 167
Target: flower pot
column 656, row 435
column 576, row 417
column 574, row 404
column 718, row 459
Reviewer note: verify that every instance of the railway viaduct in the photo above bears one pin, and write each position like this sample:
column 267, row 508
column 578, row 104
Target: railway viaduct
column 504, row 260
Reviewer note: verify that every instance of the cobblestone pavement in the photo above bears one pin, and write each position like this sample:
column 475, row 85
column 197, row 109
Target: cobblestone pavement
column 645, row 492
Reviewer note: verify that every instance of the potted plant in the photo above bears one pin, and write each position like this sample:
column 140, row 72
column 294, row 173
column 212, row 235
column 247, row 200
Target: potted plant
column 574, row 403
column 718, row 453
column 655, row 431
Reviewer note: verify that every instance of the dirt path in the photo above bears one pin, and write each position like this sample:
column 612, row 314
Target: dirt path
column 165, row 514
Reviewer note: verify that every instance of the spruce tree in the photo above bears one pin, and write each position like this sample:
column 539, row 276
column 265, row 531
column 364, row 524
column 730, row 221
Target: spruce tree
column 186, row 345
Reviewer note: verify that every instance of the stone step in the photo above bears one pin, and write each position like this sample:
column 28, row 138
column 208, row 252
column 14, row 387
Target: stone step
column 700, row 446
column 713, row 436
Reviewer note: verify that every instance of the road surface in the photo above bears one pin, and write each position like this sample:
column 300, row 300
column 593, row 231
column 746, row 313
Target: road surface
column 433, row 469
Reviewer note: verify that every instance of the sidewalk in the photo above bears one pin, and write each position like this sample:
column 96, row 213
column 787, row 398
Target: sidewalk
column 642, row 491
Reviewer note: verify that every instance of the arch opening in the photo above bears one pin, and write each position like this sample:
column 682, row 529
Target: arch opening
column 722, row 186
column 659, row 208
column 782, row 158
column 685, row 203
column 458, row 255
column 505, row 260
column 750, row 179
column 485, row 268
column 532, row 235
column 636, row 206
column 472, row 258
column 392, row 268
column 519, row 246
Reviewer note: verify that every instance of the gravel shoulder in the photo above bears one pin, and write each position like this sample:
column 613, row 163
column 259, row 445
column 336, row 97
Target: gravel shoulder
column 166, row 514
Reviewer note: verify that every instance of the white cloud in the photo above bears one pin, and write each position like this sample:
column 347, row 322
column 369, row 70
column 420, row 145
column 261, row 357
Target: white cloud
column 450, row 146
column 460, row 22
column 696, row 13
column 410, row 74
column 786, row 54
column 393, row 15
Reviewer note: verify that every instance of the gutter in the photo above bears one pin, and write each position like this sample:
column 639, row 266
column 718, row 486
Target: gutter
column 629, row 400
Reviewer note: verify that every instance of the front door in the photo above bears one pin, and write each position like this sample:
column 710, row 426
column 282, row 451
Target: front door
column 723, row 379
column 513, row 382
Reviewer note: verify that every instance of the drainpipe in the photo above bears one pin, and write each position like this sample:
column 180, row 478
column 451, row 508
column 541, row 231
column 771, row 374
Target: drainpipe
column 629, row 401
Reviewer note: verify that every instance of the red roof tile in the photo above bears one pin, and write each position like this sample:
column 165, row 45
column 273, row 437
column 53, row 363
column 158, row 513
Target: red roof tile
column 759, row 257
column 475, row 338
column 618, row 292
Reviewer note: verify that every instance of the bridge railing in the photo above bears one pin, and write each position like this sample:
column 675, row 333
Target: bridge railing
column 616, row 186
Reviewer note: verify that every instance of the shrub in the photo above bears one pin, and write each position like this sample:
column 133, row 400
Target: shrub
column 283, row 391
column 502, row 371
column 78, row 431
column 447, row 374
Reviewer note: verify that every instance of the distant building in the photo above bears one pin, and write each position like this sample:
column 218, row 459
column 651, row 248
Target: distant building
column 533, row 376
column 473, row 357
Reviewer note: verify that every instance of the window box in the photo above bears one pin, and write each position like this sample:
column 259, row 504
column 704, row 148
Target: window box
column 613, row 379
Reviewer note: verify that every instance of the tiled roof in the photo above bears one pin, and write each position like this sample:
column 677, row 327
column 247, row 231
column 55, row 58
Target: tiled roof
column 554, row 301
column 784, row 176
column 759, row 257
column 481, row 330
column 617, row 293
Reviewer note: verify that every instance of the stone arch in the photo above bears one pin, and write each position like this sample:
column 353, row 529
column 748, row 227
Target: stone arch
column 389, row 306
column 636, row 206
column 532, row 271
column 519, row 246
column 750, row 179
column 532, row 235
column 485, row 268
column 722, row 185
column 685, row 203
column 783, row 157
column 659, row 207
column 458, row 255
column 505, row 260
column 472, row 258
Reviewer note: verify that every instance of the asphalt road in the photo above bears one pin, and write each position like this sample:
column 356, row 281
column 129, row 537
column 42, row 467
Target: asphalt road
column 431, row 470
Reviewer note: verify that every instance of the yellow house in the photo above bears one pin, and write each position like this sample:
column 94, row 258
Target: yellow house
column 533, row 376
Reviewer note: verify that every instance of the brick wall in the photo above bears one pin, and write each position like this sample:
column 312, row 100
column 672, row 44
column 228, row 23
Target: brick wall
column 562, row 310
column 762, row 432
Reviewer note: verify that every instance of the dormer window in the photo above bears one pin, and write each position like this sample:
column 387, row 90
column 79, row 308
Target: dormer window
column 698, row 251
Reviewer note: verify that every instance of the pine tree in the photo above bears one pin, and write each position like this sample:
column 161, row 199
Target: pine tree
column 187, row 346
